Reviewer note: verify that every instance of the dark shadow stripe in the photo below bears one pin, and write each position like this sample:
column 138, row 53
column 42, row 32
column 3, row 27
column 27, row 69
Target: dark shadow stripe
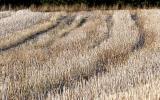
column 82, row 22
column 32, row 36
column 141, row 40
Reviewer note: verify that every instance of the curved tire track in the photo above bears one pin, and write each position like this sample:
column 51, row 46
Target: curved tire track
column 18, row 38
column 13, row 40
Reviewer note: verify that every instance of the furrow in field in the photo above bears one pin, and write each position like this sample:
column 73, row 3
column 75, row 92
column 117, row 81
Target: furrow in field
column 15, row 39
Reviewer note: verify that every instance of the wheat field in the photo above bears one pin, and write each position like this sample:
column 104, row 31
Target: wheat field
column 85, row 55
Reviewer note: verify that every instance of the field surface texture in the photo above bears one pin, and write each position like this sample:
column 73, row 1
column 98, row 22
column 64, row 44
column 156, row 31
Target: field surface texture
column 85, row 55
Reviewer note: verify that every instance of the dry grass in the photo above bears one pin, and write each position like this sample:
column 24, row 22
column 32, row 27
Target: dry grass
column 81, row 55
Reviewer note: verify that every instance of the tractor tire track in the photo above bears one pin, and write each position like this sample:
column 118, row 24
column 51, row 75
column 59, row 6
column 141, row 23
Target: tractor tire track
column 28, row 34
column 141, row 41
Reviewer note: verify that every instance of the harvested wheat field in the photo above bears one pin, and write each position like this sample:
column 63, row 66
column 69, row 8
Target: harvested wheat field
column 85, row 55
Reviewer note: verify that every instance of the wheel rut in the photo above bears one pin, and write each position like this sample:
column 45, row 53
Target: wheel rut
column 30, row 35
